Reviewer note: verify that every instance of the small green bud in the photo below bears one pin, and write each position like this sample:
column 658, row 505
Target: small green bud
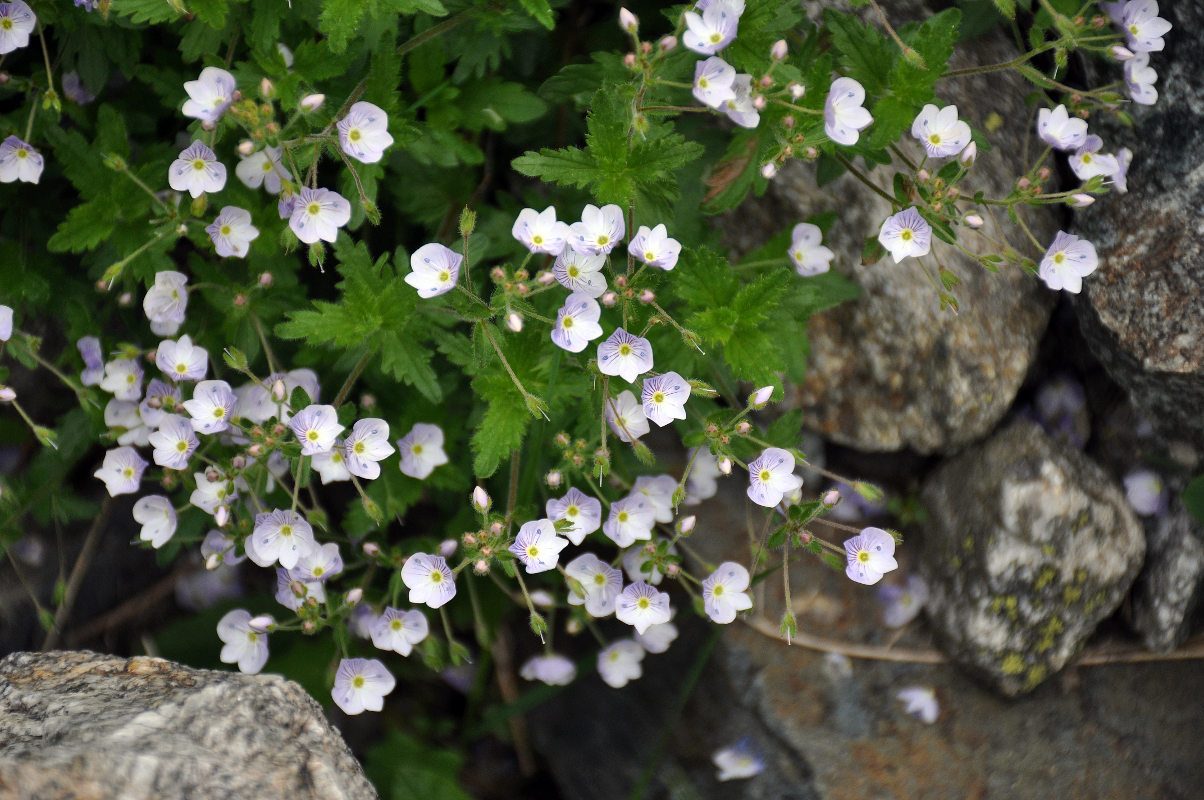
column 789, row 627
column 371, row 212
column 868, row 490
column 468, row 221
column 235, row 359
column 317, row 254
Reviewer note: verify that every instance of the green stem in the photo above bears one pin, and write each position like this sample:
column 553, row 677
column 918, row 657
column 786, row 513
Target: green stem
column 354, row 375
column 865, row 180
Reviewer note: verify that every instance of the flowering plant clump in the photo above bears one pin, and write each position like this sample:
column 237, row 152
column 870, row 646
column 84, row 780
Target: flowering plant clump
column 369, row 330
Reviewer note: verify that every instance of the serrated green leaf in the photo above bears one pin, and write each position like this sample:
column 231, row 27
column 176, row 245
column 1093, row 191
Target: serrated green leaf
column 541, row 11
column 933, row 42
column 864, row 54
column 86, row 226
column 149, row 11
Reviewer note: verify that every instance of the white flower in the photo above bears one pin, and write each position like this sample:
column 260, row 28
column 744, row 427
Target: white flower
column 551, row 669
column 317, row 214
column 1059, row 130
column 657, row 638
column 220, row 548
column 630, row 519
column 807, row 252
column 772, row 476
column 741, row 109
column 871, row 554
column 902, row 604
column 209, row 496
column 18, row 160
column 174, row 442
column 181, row 360
column 600, row 584
column 599, row 230
column 210, row 95
column 1146, row 492
column 1087, row 161
column 434, row 270
column 657, row 491
column 580, row 273
column 577, row 507
column 737, row 763
column 318, row 564
column 1067, row 261
column 702, row 483
column 1140, row 77
column 263, row 168
column 166, row 302
column 121, row 471
column 844, row 116
column 906, row 234
column 331, row 466
column 316, row 427
column 714, row 81
column 232, row 232
column 429, row 579
column 161, row 399
column 122, row 418
column 665, row 398
column 292, row 592
column 421, row 450
column 243, row 646
column 642, row 606
column 626, row 417
column 619, row 662
column 367, row 444
column 655, row 248
column 537, row 546
column 1140, row 23
column 279, row 536
column 921, row 703
column 197, row 171
column 625, row 355
column 210, row 406
column 364, row 132
column 940, row 131
column 17, row 22
column 541, row 232
column 723, row 592
column 577, row 321
column 158, row 519
column 123, row 378
column 360, row 685
column 399, row 630
column 712, row 30
column 94, row 364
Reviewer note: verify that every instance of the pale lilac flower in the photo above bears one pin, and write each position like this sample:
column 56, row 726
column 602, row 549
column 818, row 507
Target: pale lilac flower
column 871, row 554
column 181, row 360
column 920, row 703
column 844, row 116
column 712, row 30
column 665, row 398
column 906, row 234
column 807, row 252
column 210, row 406
column 628, row 22
column 18, row 160
column 161, row 399
column 1088, row 161
column 242, row 645
column 6, row 323
column 121, row 471
column 940, row 131
column 1059, row 130
column 738, row 762
column 122, row 417
column 552, row 669
column 220, row 548
column 1141, row 24
column 166, row 302
column 741, row 109
column 630, row 519
column 703, row 481
column 619, row 662
column 600, row 584
column 174, row 442
column 318, row 564
column 291, row 592
column 577, row 507
column 714, row 81
column 232, row 232
column 429, row 579
column 364, row 132
column 625, row 416
column 158, row 519
column 360, row 685
column 1120, row 178
column 599, row 230
column 421, row 450
column 902, row 604
column 537, row 546
column 577, row 321
column 123, row 379
column 655, row 248
column 541, row 232
column 399, row 630
column 211, row 496
column 580, row 272
column 17, row 22
column 724, row 592
column 1140, row 77
column 657, row 491
column 1067, row 261
column 625, row 354
column 1115, row 10
column 642, row 606
column 197, row 171
column 210, row 95
column 94, row 363
column 317, row 214
column 1146, row 492
column 331, row 466
column 367, row 444
column 316, row 427
column 434, row 270
column 640, row 566
column 771, row 477
column 657, row 638
column 279, row 536
column 264, row 168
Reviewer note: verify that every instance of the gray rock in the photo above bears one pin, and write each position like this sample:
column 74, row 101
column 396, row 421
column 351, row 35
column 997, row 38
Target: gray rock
column 1030, row 545
column 1170, row 588
column 1142, row 311
column 84, row 726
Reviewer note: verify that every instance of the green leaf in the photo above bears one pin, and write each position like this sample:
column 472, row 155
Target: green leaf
column 85, row 227
column 406, row 768
column 1193, row 498
column 541, row 11
column 504, row 424
column 151, row 11
column 339, row 19
column 933, row 43
column 865, row 54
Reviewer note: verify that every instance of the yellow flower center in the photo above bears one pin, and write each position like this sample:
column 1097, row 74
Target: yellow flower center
column 622, row 516
column 416, row 449
column 225, row 230
column 599, row 579
column 396, row 625
column 703, row 83
column 312, row 435
column 574, row 272
column 935, row 138
column 649, row 255
column 358, row 681
column 436, row 576
column 444, row 276
column 863, row 556
column 718, row 590
column 532, row 551
column 6, row 23
column 571, row 511
column 906, row 235
column 602, row 240
column 252, row 637
column 219, row 412
column 765, row 475
column 128, row 472
column 359, row 448
column 354, row 134
column 567, row 322
column 624, row 349
column 537, row 239
column 313, row 209
column 286, row 530
column 716, row 38
column 318, row 572
column 659, row 397
column 198, row 164
column 1059, row 258
column 181, row 445
column 22, row 152
column 644, row 603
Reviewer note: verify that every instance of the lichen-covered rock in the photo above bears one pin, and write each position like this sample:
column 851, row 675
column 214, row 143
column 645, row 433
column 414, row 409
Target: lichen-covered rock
column 84, row 726
column 1170, row 588
column 1029, row 546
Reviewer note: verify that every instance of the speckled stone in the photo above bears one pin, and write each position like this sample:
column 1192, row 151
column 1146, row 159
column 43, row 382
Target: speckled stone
column 84, row 726
column 1170, row 588
column 1142, row 311
column 1029, row 546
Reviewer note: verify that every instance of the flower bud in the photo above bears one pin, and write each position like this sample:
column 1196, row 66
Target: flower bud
column 609, row 299
column 973, row 221
column 480, row 566
column 687, row 525
column 278, row 429
column 353, row 597
column 1121, row 53
column 238, row 462
column 542, row 599
column 646, row 296
column 759, row 102
column 5, row 78
column 312, row 102
column 7, row 394
column 1081, row 200
column 371, row 549
column 629, row 60
column 246, row 147
column 221, row 515
column 447, row 547
column 213, row 561
column 1024, row 183
column 495, row 528
column 811, row 153
column 760, row 397
column 573, row 627
column 628, row 21
column 1043, row 174
column 646, row 48
column 125, row 299
column 668, row 43
column 514, row 322
column 239, row 300
column 298, row 588
column 266, row 279
column 261, row 624
column 743, row 427
column 266, row 88
column 967, row 156
column 831, row 497
column 769, row 171
column 778, row 51
column 255, row 450
column 797, row 90
column 553, row 478
column 481, row 500
column 725, row 465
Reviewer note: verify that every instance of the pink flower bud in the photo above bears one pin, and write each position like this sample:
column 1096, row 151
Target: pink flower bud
column 759, row 102
column 266, row 279
column 469, row 539
column 447, row 547
column 725, row 465
column 572, row 627
column 646, row 296
column 668, row 43
column 967, row 156
column 213, row 561
column 514, row 322
column 239, row 300
column 831, row 498
column 308, row 626
column 973, row 221
column 769, row 171
column 797, row 90
column 255, row 450
column 788, row 121
column 1121, row 53
column 480, row 566
column 246, row 147
column 542, row 599
column 672, row 569
column 368, row 401
column 761, row 397
column 811, row 153
column 1043, row 174
column 628, row 21
column 498, row 274
column 743, row 427
column 5, row 78
column 609, row 299
column 7, row 394
column 687, row 524
column 298, row 588
column 221, row 515
column 553, row 478
column 312, row 102
column 266, row 88
column 629, row 60
column 646, row 47
column 353, row 597
column 495, row 528
column 1024, row 183
column 1081, row 200
column 778, row 51
column 545, row 278
column 125, row 299
column 923, row 175
column 261, row 624
column 279, row 391
column 238, row 462
column 371, row 549
column 481, row 499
